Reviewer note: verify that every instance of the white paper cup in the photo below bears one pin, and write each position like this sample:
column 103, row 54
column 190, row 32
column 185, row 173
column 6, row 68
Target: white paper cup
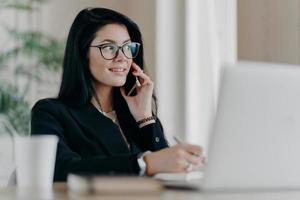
column 35, row 160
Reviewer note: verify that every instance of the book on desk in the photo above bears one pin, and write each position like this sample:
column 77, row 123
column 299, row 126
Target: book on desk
column 82, row 183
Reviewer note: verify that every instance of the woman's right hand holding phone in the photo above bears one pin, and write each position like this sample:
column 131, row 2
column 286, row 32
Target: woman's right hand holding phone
column 140, row 105
column 179, row 158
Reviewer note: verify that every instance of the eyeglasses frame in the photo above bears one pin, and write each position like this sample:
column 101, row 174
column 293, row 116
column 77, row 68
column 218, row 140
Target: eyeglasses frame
column 117, row 52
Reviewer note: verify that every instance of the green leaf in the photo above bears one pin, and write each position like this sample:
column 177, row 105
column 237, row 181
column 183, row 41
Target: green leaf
column 15, row 107
column 28, row 6
column 45, row 49
column 19, row 6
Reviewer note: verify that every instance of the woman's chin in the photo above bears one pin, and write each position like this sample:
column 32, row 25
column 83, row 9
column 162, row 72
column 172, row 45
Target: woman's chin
column 119, row 83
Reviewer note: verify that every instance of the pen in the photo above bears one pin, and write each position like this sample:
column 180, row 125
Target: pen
column 177, row 140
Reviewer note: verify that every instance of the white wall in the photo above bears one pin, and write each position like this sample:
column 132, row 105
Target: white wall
column 170, row 65
column 194, row 38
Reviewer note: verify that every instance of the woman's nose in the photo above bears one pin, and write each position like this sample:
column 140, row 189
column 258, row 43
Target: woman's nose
column 120, row 55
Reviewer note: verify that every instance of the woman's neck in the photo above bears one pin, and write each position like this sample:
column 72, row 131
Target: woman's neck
column 104, row 96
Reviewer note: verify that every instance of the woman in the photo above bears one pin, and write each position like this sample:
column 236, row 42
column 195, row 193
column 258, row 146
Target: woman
column 101, row 128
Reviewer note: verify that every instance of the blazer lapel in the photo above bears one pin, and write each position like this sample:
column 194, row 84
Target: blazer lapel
column 102, row 128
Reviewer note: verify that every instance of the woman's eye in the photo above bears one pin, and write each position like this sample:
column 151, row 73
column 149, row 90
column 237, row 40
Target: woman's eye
column 108, row 48
column 127, row 47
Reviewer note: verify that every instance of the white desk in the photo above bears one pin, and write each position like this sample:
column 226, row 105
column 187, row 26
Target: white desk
column 61, row 192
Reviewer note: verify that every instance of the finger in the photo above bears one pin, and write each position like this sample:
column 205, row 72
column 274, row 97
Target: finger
column 145, row 79
column 194, row 160
column 122, row 90
column 203, row 161
column 146, row 82
column 188, row 167
column 136, row 67
column 184, row 164
column 193, row 149
column 139, row 72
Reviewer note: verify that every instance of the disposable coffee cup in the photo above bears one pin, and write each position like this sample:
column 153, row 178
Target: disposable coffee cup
column 35, row 161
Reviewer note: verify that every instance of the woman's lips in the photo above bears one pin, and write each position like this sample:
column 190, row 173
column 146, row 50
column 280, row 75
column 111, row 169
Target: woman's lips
column 118, row 71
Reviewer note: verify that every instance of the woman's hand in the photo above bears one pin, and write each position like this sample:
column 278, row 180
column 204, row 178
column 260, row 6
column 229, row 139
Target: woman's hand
column 140, row 105
column 174, row 159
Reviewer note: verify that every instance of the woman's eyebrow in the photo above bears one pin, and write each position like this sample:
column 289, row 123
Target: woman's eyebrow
column 112, row 41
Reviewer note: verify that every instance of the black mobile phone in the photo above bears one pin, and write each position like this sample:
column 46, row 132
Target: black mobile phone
column 130, row 84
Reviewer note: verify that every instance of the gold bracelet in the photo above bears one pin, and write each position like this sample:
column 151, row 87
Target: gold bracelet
column 146, row 120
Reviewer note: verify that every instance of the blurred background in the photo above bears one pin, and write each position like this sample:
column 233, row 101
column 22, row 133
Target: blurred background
column 186, row 44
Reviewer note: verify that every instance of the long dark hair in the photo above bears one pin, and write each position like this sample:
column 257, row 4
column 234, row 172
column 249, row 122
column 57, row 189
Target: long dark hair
column 77, row 86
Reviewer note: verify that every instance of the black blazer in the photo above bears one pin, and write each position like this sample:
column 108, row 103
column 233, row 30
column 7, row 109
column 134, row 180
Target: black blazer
column 89, row 142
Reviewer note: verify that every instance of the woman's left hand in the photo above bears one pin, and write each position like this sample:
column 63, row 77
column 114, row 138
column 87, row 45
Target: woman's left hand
column 140, row 105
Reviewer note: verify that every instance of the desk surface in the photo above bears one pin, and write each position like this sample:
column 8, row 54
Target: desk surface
column 60, row 191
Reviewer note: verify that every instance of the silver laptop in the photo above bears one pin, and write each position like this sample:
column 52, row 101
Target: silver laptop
column 255, row 142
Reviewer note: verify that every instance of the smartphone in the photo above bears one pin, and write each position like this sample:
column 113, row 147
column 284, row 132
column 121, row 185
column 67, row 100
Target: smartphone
column 130, row 84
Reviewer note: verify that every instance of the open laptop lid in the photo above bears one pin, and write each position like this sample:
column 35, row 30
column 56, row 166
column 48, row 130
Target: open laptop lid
column 255, row 142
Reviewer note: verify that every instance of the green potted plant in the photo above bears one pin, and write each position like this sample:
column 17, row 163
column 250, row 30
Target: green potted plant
column 44, row 53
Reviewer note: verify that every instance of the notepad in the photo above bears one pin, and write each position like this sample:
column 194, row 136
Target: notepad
column 194, row 175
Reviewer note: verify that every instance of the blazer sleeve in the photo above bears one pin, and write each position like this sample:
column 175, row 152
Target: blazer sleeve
column 152, row 137
column 44, row 120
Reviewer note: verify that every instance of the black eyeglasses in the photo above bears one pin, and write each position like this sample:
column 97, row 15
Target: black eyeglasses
column 110, row 51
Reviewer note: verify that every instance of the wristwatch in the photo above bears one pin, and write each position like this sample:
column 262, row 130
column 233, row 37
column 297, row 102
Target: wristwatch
column 142, row 163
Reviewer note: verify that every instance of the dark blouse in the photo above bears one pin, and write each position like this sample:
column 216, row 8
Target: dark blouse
column 89, row 142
